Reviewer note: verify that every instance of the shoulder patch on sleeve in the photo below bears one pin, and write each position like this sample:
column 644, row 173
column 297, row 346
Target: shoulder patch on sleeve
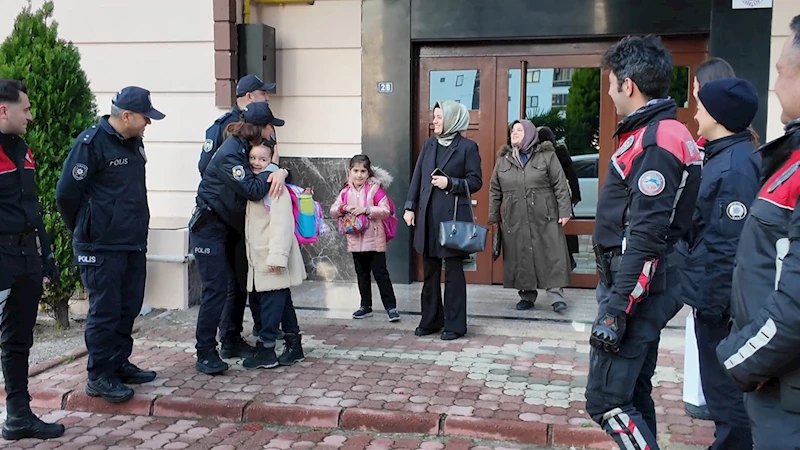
column 736, row 210
column 238, row 173
column 651, row 183
column 79, row 171
column 87, row 135
column 208, row 145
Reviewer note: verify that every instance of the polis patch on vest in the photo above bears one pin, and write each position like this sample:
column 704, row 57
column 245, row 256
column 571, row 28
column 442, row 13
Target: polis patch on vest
column 736, row 210
column 651, row 183
column 238, row 173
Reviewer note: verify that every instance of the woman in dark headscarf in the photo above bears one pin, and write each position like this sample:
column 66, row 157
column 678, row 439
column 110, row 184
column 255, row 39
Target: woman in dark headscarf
column 547, row 135
column 531, row 187
column 448, row 169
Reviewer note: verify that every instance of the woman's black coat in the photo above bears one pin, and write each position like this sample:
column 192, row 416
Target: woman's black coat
column 463, row 167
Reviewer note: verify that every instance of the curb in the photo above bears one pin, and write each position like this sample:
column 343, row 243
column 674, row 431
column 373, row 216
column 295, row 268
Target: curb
column 357, row 419
column 75, row 353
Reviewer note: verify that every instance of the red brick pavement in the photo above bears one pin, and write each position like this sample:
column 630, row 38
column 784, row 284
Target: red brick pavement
column 87, row 431
column 511, row 388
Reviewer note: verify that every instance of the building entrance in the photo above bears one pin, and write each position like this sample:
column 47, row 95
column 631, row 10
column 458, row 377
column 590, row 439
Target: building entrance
column 557, row 85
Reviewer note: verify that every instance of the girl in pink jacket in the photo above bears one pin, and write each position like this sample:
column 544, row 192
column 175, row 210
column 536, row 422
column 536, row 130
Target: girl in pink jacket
column 368, row 246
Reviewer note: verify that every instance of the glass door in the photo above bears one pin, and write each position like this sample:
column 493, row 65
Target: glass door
column 470, row 81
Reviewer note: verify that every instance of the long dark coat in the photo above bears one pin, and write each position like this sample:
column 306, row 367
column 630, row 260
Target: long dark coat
column 462, row 163
column 533, row 198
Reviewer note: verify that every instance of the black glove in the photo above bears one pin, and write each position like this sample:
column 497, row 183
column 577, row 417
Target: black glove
column 50, row 268
column 608, row 331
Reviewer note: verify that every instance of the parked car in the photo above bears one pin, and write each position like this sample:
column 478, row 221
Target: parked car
column 586, row 168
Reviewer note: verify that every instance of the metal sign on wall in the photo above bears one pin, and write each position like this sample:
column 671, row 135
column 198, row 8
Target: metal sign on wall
column 751, row 4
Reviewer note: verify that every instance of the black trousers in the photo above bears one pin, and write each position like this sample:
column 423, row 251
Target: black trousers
column 277, row 311
column 115, row 284
column 232, row 320
column 619, row 387
column 209, row 245
column 725, row 400
column 20, row 292
column 452, row 316
column 375, row 263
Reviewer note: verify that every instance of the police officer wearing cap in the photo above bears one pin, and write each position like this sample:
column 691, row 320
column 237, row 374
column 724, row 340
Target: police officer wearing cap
column 102, row 198
column 250, row 89
column 22, row 269
column 224, row 190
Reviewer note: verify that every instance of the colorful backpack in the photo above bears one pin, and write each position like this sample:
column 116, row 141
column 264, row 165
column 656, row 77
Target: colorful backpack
column 308, row 218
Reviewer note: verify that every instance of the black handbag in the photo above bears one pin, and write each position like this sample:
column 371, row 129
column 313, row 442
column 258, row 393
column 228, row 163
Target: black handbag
column 497, row 242
column 467, row 237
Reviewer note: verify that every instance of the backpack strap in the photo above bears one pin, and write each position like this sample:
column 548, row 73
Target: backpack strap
column 380, row 195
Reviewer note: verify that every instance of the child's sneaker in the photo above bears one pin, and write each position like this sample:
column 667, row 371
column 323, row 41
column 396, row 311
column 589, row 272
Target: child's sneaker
column 394, row 316
column 362, row 313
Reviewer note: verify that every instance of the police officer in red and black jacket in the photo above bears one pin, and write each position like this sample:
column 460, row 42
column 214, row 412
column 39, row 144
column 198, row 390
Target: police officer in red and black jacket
column 645, row 205
column 761, row 352
column 22, row 269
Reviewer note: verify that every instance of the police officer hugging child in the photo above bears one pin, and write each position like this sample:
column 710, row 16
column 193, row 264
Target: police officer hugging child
column 226, row 186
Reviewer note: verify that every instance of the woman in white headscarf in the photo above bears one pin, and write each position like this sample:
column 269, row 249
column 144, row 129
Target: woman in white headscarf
column 448, row 167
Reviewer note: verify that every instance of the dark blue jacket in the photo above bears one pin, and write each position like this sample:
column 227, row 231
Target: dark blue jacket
column 730, row 182
column 645, row 205
column 214, row 137
column 228, row 183
column 102, row 195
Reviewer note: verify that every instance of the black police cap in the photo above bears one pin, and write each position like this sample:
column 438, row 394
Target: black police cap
column 136, row 99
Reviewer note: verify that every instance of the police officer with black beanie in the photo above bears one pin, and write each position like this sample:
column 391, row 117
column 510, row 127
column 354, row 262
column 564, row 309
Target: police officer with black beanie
column 22, row 269
column 224, row 190
column 102, row 197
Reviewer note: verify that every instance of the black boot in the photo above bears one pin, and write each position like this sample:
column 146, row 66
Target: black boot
column 236, row 348
column 293, row 351
column 110, row 389
column 130, row 374
column 264, row 358
column 209, row 363
column 527, row 300
column 21, row 423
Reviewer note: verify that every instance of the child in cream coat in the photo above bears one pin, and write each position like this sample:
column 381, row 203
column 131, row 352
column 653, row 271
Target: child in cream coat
column 274, row 266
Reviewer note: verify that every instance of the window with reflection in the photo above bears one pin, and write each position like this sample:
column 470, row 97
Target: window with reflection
column 566, row 99
column 463, row 86
column 679, row 88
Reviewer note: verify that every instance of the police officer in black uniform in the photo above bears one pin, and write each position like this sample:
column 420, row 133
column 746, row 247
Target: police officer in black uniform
column 102, row 197
column 250, row 89
column 226, row 187
column 731, row 171
column 22, row 268
column 645, row 205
